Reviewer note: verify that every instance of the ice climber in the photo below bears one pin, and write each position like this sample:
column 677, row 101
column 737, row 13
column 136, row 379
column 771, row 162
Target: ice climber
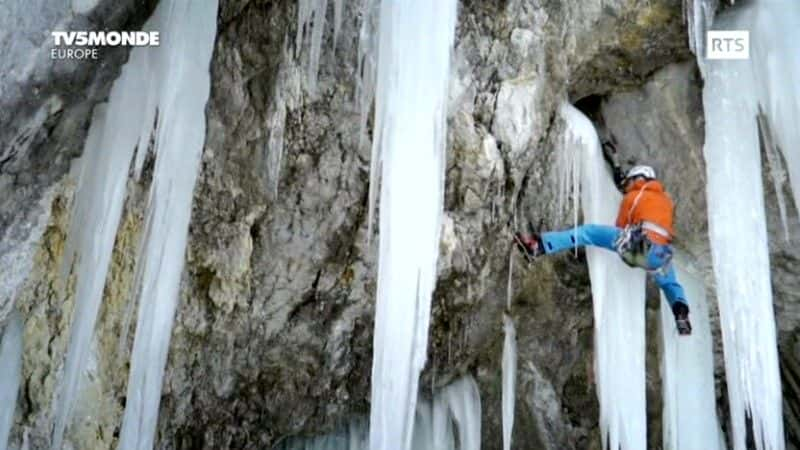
column 642, row 235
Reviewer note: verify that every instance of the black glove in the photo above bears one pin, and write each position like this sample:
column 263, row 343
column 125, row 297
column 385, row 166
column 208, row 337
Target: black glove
column 610, row 155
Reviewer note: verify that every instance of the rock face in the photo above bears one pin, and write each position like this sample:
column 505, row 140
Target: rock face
column 45, row 106
column 274, row 330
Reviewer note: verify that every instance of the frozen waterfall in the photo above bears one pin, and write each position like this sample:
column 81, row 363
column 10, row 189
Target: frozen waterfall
column 689, row 416
column 734, row 92
column 170, row 82
column 415, row 41
column 10, row 374
column 618, row 296
column 451, row 421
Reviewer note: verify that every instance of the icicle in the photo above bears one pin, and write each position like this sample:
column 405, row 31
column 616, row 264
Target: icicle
column 775, row 61
column 776, row 171
column 350, row 437
column 276, row 125
column 618, row 298
column 509, row 379
column 311, row 24
column 10, row 374
column 416, row 39
column 338, row 9
column 464, row 402
column 100, row 194
column 424, row 425
column 568, row 179
column 509, row 364
column 164, row 82
column 366, row 81
column 699, row 16
column 687, row 368
column 738, row 234
column 188, row 38
column 568, row 172
column 433, row 429
column 443, row 437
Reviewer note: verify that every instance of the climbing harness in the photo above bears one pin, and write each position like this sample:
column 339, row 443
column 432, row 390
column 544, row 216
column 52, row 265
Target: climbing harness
column 632, row 246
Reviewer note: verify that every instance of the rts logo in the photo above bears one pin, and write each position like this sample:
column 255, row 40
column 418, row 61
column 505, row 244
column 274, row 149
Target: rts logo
column 728, row 44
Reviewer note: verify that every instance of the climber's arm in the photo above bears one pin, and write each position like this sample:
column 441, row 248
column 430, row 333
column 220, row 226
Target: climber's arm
column 610, row 155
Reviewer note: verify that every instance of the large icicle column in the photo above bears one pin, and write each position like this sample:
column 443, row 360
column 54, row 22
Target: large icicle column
column 690, row 412
column 416, row 37
column 738, row 233
column 775, row 58
column 188, row 30
column 509, row 391
column 618, row 296
column 100, row 194
column 170, row 82
column 10, row 374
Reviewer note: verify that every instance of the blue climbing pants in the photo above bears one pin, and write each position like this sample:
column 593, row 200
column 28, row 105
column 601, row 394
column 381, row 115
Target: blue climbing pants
column 604, row 236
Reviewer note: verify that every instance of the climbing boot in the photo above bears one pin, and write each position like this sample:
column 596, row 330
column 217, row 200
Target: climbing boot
column 529, row 246
column 681, row 312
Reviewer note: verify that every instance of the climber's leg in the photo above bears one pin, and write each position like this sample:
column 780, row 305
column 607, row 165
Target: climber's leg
column 595, row 235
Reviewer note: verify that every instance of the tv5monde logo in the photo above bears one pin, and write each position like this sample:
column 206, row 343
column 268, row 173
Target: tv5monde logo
column 728, row 44
column 84, row 44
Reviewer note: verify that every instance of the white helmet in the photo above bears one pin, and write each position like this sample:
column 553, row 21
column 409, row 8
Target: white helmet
column 641, row 171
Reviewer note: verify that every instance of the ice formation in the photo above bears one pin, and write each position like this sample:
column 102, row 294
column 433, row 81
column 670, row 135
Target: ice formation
column 171, row 82
column 10, row 374
column 734, row 92
column 509, row 379
column 699, row 15
column 189, row 30
column 352, row 436
column 689, row 415
column 775, row 62
column 618, row 296
column 100, row 194
column 451, row 421
column 416, row 38
column 311, row 20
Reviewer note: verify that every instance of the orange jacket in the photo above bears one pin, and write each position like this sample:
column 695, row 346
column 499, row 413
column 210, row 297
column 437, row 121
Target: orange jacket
column 647, row 201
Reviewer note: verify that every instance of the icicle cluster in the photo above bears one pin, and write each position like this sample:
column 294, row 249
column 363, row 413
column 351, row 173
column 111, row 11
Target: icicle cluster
column 353, row 436
column 452, row 421
column 735, row 94
column 311, row 19
column 568, row 179
column 687, row 371
column 171, row 83
column 618, row 297
column 416, row 38
column 699, row 15
column 10, row 374
column 179, row 139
